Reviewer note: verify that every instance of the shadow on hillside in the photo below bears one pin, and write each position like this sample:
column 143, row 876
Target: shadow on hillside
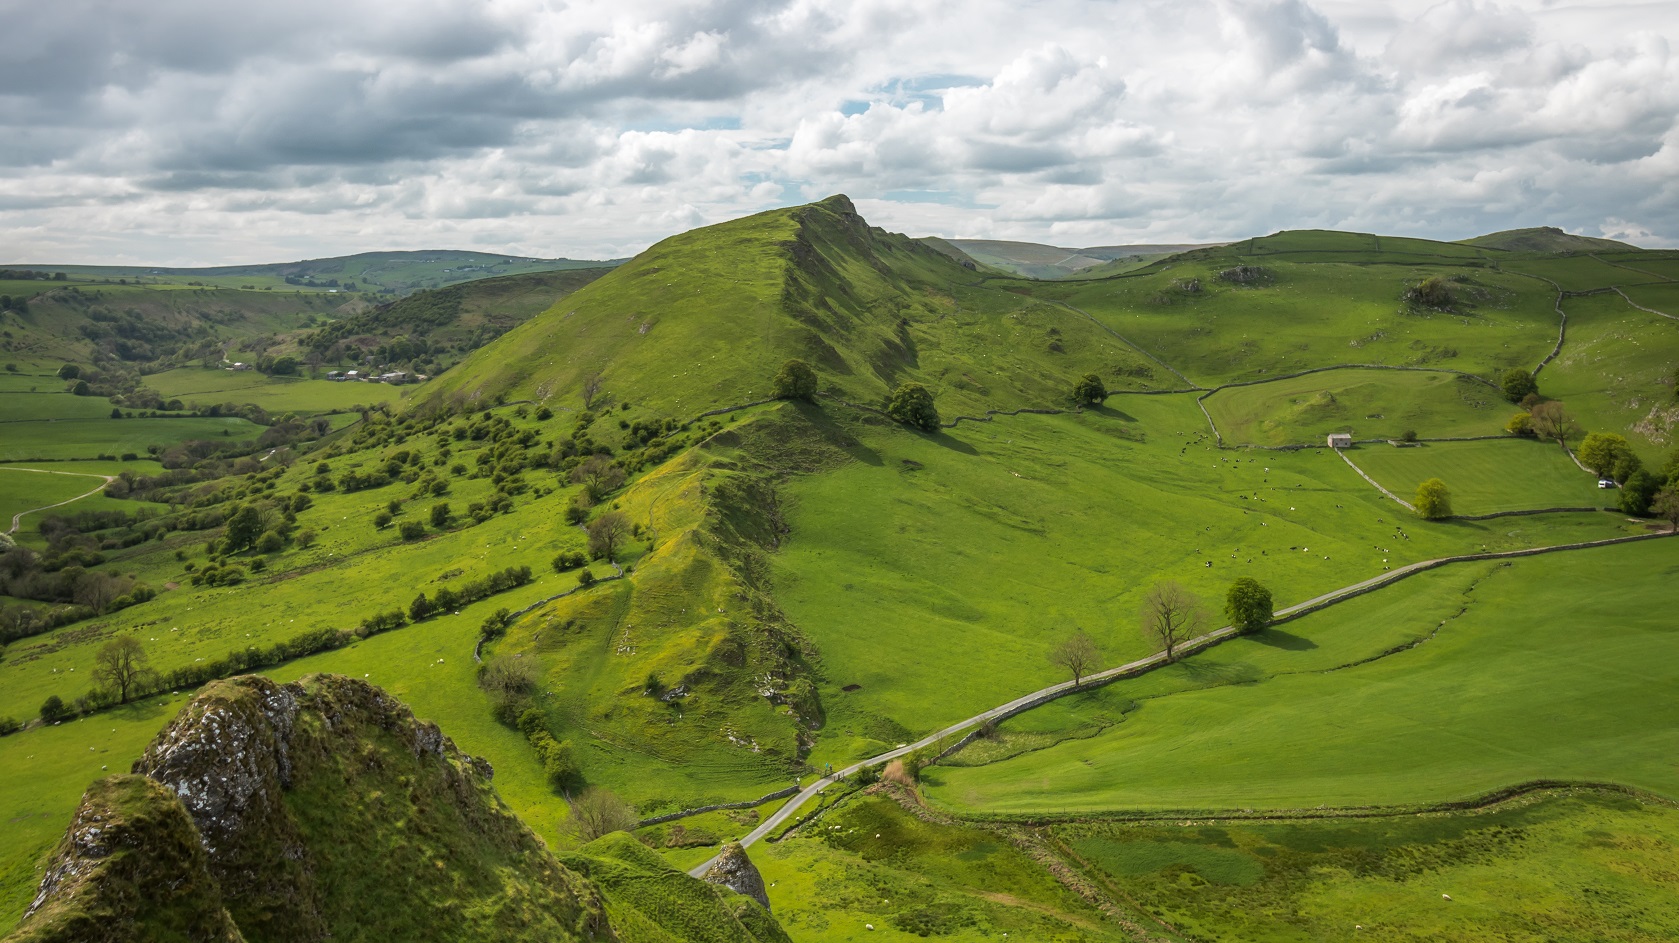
column 832, row 433
column 955, row 445
column 1108, row 412
column 1277, row 638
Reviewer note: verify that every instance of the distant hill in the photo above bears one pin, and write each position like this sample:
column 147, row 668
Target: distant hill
column 1035, row 260
column 1545, row 239
column 388, row 273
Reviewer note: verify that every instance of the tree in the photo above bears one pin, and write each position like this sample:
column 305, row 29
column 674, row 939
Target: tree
column 1089, row 391
column 121, row 664
column 1602, row 451
column 1665, row 505
column 305, row 538
column 1433, row 500
column 1075, row 655
column 1518, row 384
column 1637, row 491
column 440, row 514
column 912, row 405
column 243, row 528
column 1248, row 604
column 96, row 590
column 53, row 709
column 1551, row 420
column 412, row 530
column 69, row 372
column 81, row 389
column 607, row 533
column 599, row 476
column 596, row 812
column 796, row 380
column 1171, row 616
column 1520, row 424
column 591, row 389
column 382, row 520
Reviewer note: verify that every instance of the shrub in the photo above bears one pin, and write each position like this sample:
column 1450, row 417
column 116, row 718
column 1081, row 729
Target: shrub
column 912, row 405
column 1520, row 424
column 1518, row 384
column 569, row 560
column 1637, row 491
column 382, row 520
column 270, row 542
column 9, row 726
column 585, row 578
column 53, row 710
column 440, row 515
column 412, row 530
column 1089, row 391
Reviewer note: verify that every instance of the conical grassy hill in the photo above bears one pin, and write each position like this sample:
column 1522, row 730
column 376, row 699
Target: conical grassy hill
column 704, row 319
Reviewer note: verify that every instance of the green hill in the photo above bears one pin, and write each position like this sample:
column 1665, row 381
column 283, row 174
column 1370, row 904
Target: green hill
column 1548, row 239
column 325, row 810
column 704, row 319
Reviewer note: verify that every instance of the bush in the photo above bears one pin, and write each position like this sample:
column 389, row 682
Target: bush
column 53, row 710
column 796, row 380
column 1518, row 384
column 1520, row 424
column 1638, row 491
column 585, row 578
column 440, row 515
column 569, row 560
column 9, row 726
column 270, row 542
column 412, row 530
column 1089, row 391
column 1433, row 502
column 912, row 405
column 382, row 520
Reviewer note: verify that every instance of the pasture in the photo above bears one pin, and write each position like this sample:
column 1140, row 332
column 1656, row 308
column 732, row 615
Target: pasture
column 50, row 439
column 1487, row 476
column 1579, row 865
column 1369, row 404
column 893, row 568
column 1452, row 683
column 1616, row 371
column 197, row 386
column 26, row 489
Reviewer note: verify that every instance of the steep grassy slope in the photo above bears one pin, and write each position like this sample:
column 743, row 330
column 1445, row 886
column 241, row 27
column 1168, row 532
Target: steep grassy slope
column 325, row 810
column 706, row 318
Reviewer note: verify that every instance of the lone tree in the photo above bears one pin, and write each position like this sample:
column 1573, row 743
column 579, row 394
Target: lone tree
column 599, row 476
column 122, row 666
column 795, row 381
column 1248, row 604
column 1605, row 453
column 607, row 533
column 1089, row 391
column 1076, row 655
column 243, row 529
column 592, row 385
column 1433, row 500
column 1665, row 505
column 596, row 812
column 1171, row 616
column 912, row 405
column 1518, row 384
column 1551, row 420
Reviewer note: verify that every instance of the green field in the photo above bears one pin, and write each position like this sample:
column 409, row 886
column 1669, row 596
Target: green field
column 891, row 568
column 23, row 490
column 1369, row 404
column 90, row 438
column 1549, row 667
column 15, row 407
column 199, row 386
column 1486, row 476
column 1616, row 371
column 1579, row 867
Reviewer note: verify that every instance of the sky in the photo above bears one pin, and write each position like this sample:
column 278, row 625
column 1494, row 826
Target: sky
column 195, row 132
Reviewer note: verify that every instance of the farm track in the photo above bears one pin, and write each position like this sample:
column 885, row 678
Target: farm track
column 17, row 519
column 1140, row 666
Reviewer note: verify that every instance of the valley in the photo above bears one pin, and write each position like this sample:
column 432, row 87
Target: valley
column 610, row 548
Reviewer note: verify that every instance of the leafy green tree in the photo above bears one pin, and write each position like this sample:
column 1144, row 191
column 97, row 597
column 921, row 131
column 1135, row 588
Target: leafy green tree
column 1665, row 505
column 1637, row 491
column 243, row 529
column 1433, row 500
column 382, row 520
column 607, row 534
column 912, row 405
column 69, row 372
column 1518, row 384
column 412, row 530
column 1089, row 390
column 1248, row 604
column 53, row 709
column 81, row 389
column 796, row 380
column 270, row 542
column 1602, row 451
column 1520, row 424
column 440, row 514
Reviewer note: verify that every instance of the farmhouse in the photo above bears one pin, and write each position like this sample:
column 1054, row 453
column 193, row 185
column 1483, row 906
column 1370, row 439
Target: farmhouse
column 1340, row 440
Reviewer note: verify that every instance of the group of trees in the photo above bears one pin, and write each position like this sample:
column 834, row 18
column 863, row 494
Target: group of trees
column 1170, row 616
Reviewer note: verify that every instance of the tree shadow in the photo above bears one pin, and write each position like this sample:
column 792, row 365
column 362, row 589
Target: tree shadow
column 1210, row 672
column 1104, row 410
column 835, row 435
column 1288, row 642
column 946, row 440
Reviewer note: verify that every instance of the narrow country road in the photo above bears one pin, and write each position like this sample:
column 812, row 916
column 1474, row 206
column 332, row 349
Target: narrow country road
column 17, row 519
column 1139, row 666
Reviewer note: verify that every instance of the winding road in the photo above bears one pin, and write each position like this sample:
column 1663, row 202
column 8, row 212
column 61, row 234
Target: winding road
column 17, row 519
column 1044, row 695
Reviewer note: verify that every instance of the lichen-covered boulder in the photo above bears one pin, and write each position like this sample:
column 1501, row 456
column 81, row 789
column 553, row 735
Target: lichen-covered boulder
column 735, row 871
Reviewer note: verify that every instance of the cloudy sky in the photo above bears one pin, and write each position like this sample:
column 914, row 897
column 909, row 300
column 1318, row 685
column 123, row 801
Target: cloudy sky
column 204, row 131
